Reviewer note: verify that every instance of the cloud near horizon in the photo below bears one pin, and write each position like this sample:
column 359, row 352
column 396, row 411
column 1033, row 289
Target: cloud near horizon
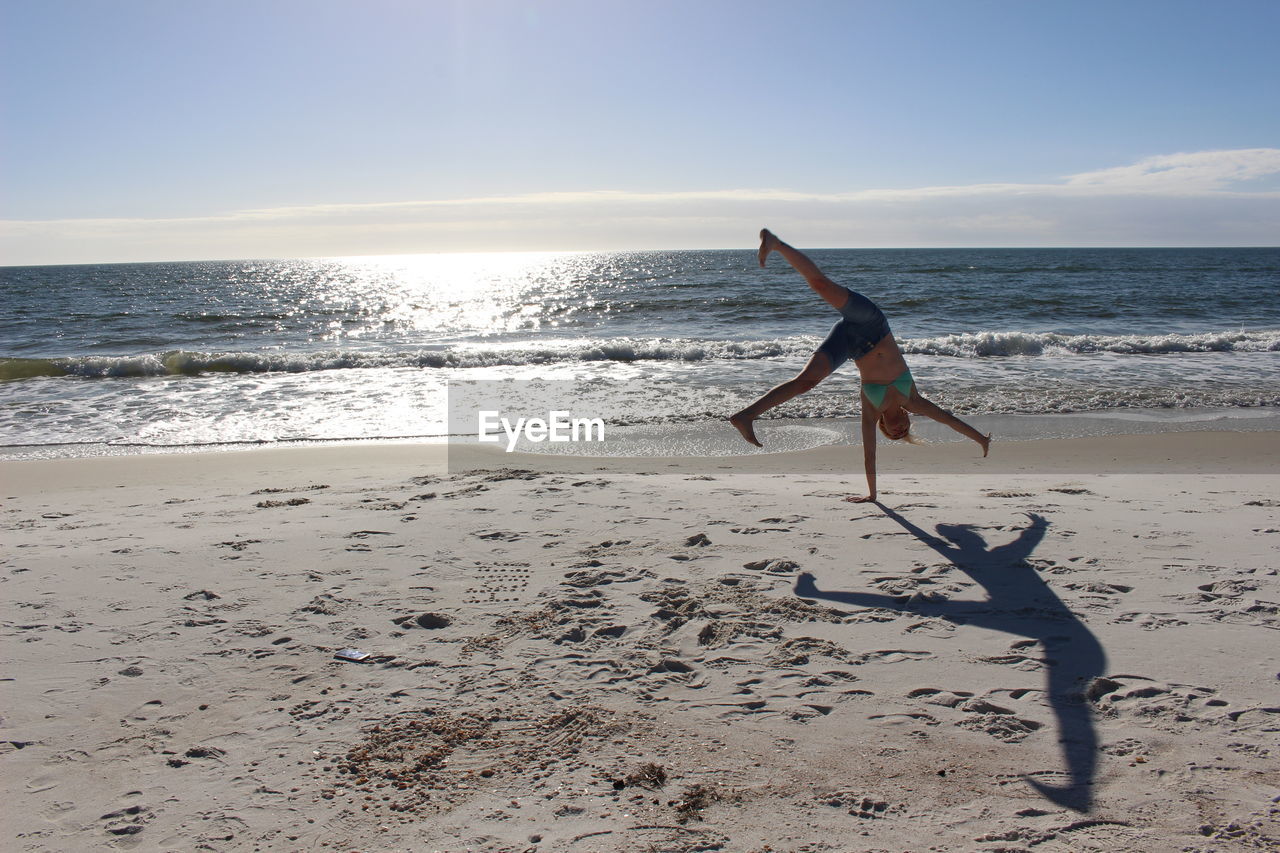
column 1187, row 199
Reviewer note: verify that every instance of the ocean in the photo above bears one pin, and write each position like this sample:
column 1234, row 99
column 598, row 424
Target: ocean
column 128, row 358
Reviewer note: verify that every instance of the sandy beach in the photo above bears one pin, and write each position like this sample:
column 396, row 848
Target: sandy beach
column 1069, row 646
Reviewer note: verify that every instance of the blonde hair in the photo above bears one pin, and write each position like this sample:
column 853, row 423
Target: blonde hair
column 909, row 438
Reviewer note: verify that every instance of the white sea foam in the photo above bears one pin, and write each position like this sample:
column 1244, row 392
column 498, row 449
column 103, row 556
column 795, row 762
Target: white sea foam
column 983, row 345
column 998, row 344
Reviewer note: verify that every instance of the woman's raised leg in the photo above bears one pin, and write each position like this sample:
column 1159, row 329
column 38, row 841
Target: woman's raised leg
column 818, row 369
column 835, row 295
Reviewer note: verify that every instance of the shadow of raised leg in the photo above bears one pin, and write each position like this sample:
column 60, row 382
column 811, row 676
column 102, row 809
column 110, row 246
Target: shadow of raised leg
column 1076, row 659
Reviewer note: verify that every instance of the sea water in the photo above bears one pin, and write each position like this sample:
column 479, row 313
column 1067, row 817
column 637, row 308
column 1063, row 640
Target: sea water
column 132, row 357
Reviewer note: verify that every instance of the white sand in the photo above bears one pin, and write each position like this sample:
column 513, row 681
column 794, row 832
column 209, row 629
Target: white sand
column 587, row 655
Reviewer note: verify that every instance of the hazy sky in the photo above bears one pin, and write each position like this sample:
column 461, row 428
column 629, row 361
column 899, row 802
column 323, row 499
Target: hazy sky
column 184, row 129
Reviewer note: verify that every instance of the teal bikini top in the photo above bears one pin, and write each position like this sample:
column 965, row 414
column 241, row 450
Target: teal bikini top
column 875, row 391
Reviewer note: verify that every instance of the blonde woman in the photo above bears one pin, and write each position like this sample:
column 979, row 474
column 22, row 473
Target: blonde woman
column 888, row 390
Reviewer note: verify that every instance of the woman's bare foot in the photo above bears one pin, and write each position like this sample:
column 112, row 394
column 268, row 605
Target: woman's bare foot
column 986, row 444
column 768, row 242
column 743, row 424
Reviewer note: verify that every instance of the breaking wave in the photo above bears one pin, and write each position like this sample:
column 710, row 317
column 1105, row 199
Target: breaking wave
column 962, row 346
column 998, row 344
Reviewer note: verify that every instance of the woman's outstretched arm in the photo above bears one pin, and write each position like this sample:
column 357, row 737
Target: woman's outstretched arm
column 921, row 406
column 869, row 417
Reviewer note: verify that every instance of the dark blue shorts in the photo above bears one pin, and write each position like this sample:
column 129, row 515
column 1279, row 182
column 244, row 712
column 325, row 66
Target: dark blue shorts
column 864, row 325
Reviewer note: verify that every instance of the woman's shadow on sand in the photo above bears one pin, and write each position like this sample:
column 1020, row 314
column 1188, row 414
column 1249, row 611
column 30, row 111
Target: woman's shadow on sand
column 1019, row 602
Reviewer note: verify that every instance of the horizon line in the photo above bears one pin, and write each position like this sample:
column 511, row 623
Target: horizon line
column 375, row 255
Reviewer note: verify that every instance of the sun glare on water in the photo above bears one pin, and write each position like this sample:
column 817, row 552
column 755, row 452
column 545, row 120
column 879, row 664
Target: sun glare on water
column 470, row 294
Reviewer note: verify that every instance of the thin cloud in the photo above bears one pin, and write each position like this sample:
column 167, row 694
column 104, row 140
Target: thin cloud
column 1198, row 198
column 1203, row 171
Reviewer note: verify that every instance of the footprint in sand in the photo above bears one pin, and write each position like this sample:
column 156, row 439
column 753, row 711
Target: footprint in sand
column 289, row 502
column 277, row 491
column 917, row 718
column 1096, row 835
column 674, row 665
column 465, row 492
column 938, row 696
column 1151, row 621
column 1226, row 589
column 890, row 656
column 129, row 820
column 1125, row 747
column 586, row 599
column 809, row 711
column 1101, row 588
column 606, row 548
column 500, row 535
column 238, row 544
column 600, row 483
column 429, row 621
column 721, row 631
column 252, row 628
column 325, row 604
column 584, row 578
column 1099, row 595
column 799, row 651
column 931, row 628
column 1154, row 703
column 383, row 505
column 860, row 805
column 773, row 566
column 1005, row 727
column 750, row 706
column 886, row 534
column 1017, row 660
column 1048, row 778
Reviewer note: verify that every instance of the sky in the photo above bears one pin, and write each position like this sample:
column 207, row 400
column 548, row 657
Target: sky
column 135, row 130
